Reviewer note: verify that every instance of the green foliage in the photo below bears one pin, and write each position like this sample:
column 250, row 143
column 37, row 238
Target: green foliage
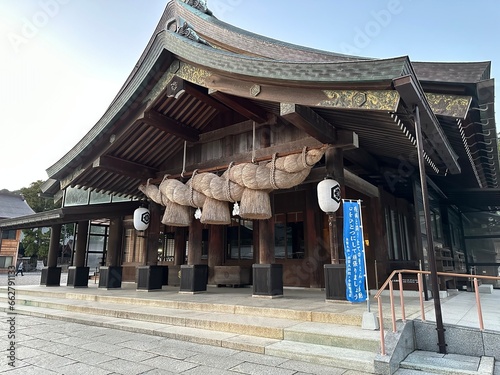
column 36, row 242
column 34, row 200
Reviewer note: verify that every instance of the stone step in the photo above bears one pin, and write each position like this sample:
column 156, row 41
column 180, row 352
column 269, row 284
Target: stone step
column 334, row 335
column 352, row 359
column 215, row 321
column 265, row 327
column 227, row 307
column 197, row 335
column 420, row 362
column 358, row 360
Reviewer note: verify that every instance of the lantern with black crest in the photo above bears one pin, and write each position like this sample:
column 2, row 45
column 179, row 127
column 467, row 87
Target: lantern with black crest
column 329, row 196
column 142, row 217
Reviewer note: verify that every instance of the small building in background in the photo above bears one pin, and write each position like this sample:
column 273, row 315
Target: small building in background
column 11, row 206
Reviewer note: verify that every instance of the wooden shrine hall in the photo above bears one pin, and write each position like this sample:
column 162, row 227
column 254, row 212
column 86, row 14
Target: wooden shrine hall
column 223, row 135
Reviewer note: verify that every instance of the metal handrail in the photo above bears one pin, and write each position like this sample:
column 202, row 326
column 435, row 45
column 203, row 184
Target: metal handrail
column 420, row 290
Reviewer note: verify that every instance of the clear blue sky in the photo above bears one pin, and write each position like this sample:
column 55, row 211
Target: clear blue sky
column 63, row 61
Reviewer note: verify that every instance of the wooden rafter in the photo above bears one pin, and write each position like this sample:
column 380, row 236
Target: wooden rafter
column 309, row 121
column 124, row 167
column 242, row 106
column 177, row 87
column 170, row 125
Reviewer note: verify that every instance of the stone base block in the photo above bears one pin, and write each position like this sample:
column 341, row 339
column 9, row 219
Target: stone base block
column 51, row 276
column 78, row 277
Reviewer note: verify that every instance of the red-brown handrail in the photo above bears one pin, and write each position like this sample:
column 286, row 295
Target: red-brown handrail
column 419, row 274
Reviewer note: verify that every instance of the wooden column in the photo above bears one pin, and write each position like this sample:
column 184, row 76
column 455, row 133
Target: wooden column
column 378, row 242
column 179, row 246
column 81, row 243
column 266, row 241
column 334, row 158
column 215, row 249
column 114, row 242
column 315, row 250
column 55, row 237
column 153, row 235
column 195, row 242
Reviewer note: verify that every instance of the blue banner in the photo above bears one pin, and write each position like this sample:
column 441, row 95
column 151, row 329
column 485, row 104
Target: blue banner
column 354, row 250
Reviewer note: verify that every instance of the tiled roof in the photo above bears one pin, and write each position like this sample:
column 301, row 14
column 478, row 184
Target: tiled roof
column 460, row 72
column 13, row 205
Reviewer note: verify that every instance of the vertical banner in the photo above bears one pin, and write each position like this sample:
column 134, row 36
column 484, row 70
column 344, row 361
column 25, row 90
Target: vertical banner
column 354, row 249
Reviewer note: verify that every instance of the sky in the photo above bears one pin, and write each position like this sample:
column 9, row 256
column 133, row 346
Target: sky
column 63, row 61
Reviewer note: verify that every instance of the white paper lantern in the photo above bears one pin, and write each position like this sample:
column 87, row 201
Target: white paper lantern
column 142, row 217
column 329, row 195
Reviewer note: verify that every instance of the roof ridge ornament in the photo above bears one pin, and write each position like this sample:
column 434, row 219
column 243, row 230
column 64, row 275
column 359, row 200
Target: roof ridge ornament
column 186, row 30
column 200, row 5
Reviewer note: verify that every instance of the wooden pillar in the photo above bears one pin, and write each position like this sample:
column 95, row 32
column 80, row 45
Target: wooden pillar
column 194, row 242
column 55, row 237
column 315, row 249
column 114, row 242
column 81, row 243
column 334, row 159
column 153, row 238
column 266, row 241
column 215, row 249
column 179, row 246
column 378, row 242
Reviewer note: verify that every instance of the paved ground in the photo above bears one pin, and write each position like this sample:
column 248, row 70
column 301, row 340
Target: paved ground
column 44, row 347
column 29, row 278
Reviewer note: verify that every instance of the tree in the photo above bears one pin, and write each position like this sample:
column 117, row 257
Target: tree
column 33, row 197
column 36, row 241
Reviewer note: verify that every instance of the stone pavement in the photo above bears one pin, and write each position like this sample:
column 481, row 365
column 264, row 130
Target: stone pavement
column 44, row 347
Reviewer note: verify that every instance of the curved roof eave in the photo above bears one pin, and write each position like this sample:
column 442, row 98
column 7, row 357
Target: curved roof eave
column 452, row 72
column 283, row 70
column 253, row 43
column 383, row 70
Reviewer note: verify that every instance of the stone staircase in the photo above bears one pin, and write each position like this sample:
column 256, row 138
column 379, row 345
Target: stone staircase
column 336, row 341
column 331, row 339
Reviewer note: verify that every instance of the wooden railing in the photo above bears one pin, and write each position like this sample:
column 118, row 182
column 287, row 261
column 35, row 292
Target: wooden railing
column 419, row 274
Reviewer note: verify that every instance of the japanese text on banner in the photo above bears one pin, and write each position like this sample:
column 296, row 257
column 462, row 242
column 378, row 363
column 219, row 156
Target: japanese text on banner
column 354, row 252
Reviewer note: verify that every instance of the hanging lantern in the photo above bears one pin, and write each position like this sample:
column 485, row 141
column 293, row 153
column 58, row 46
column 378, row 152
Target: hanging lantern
column 329, row 195
column 141, row 218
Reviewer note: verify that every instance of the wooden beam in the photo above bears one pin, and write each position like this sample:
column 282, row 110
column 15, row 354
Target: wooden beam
column 178, row 87
column 242, row 106
column 124, row 167
column 412, row 94
column 363, row 159
column 169, row 125
column 313, row 124
column 351, row 180
column 68, row 180
column 309, row 121
column 197, row 92
column 235, row 129
column 454, row 106
column 361, row 99
column 175, row 88
column 261, row 154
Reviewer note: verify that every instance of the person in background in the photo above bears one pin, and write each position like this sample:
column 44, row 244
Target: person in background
column 20, row 269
